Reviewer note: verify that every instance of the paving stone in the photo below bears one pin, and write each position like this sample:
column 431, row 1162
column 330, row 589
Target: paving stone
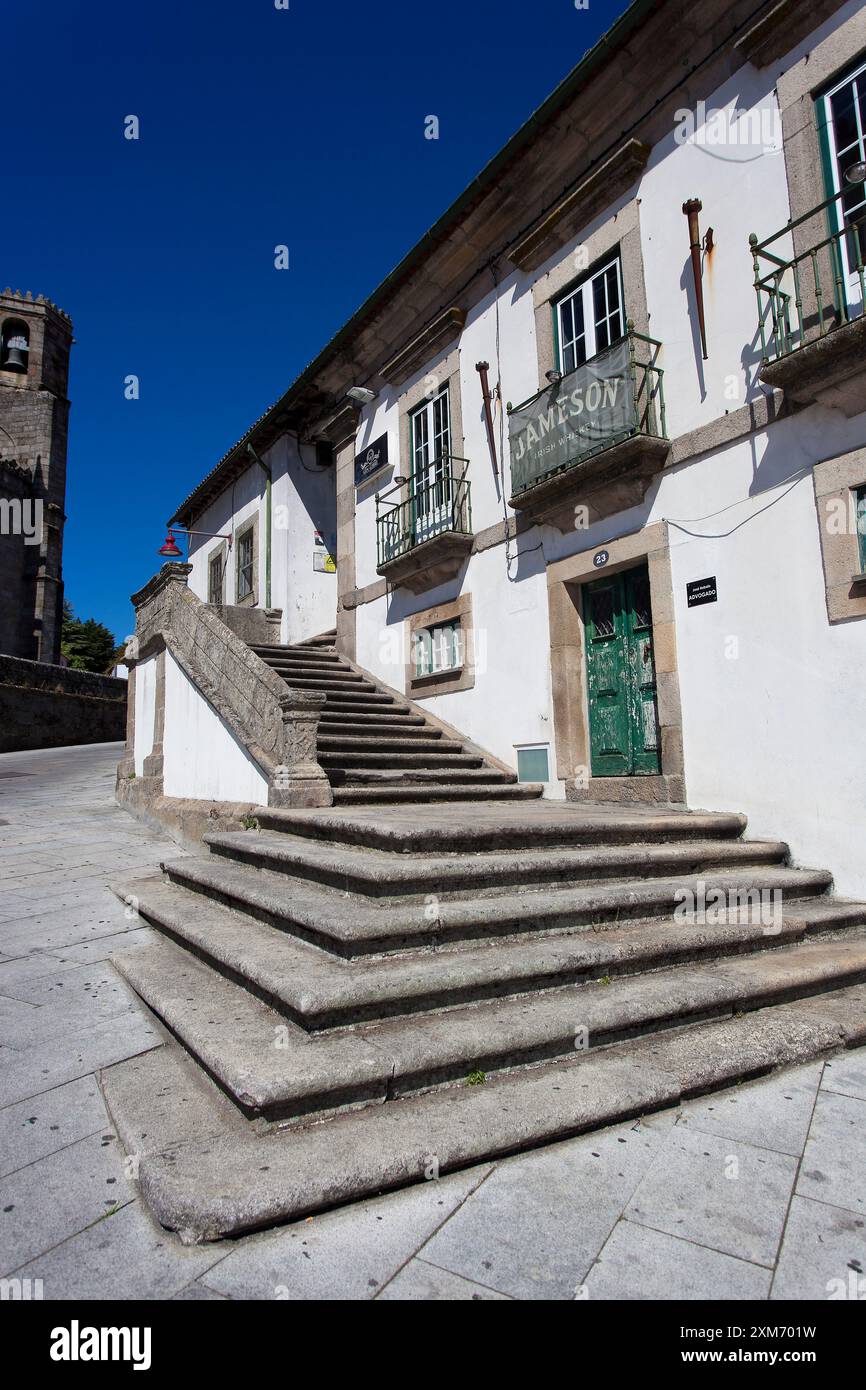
column 536, row 1225
column 823, row 1253
column 197, row 1293
column 833, row 1169
column 346, row 1254
column 23, row 969
column 688, row 1193
column 52, row 1199
column 61, row 1059
column 846, row 1074
column 67, row 1003
column 773, row 1113
column 102, row 948
column 426, row 1283
column 125, row 1255
column 639, row 1263
column 43, row 1124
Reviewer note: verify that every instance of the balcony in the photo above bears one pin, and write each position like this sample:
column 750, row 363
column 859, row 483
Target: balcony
column 424, row 534
column 809, row 283
column 594, row 439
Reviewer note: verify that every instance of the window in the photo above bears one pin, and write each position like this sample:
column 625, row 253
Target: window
column 532, row 763
column 860, row 497
column 215, row 578
column 590, row 317
column 842, row 114
column 438, row 648
column 430, row 444
column 14, row 346
column 245, row 565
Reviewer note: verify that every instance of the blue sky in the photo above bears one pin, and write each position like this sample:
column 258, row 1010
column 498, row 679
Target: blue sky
column 258, row 127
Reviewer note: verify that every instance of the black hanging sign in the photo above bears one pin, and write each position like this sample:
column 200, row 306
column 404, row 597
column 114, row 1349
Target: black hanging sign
column 700, row 591
column 373, row 459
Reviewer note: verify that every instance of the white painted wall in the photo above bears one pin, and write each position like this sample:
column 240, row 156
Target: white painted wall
column 202, row 759
column 145, row 704
column 302, row 502
column 776, row 730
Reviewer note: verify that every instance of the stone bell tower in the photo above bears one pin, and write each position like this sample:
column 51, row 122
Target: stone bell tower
column 35, row 340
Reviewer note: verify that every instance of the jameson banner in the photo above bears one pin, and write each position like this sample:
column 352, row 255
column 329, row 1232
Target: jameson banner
column 591, row 406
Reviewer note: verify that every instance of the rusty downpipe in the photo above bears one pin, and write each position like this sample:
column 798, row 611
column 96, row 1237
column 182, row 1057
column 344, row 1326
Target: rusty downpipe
column 482, row 368
column 691, row 209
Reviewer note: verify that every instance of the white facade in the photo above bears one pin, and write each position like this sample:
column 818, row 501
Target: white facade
column 302, row 509
column 771, row 689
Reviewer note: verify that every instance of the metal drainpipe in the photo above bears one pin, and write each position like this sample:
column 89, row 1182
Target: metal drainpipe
column 267, row 472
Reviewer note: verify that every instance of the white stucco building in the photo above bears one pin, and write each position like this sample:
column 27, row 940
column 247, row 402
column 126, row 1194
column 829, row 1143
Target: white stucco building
column 646, row 584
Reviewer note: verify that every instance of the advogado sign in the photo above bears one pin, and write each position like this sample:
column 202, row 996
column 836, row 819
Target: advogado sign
column 591, row 406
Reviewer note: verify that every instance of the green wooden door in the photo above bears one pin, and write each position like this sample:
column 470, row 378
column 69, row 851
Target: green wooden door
column 623, row 723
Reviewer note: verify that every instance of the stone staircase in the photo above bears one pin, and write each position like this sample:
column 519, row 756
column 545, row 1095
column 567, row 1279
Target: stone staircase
column 376, row 746
column 365, row 997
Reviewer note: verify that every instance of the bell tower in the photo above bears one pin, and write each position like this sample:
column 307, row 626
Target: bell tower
column 35, row 341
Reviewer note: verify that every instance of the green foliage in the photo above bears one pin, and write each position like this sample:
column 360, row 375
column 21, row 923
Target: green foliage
column 86, row 644
column 476, row 1078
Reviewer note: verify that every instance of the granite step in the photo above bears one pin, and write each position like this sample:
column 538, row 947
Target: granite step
column 371, row 728
column 292, row 671
column 395, row 762
column 383, row 875
column 451, row 772
column 350, row 925
column 269, row 652
column 417, row 794
column 316, row 991
column 345, row 707
column 337, row 685
column 481, row 827
column 415, row 743
column 207, row 1173
column 271, row 1068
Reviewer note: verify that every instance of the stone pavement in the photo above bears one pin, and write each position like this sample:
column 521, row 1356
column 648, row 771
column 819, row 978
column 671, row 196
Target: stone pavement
column 756, row 1192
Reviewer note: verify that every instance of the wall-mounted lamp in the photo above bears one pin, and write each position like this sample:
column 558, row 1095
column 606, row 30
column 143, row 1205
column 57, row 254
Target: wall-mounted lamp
column 399, row 479
column 856, row 173
column 362, row 395
column 172, row 551
column 554, row 377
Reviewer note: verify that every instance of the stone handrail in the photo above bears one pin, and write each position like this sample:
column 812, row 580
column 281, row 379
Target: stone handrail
column 277, row 726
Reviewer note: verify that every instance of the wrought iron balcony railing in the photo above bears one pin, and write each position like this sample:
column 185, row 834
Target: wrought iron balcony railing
column 441, row 503
column 802, row 294
column 615, row 395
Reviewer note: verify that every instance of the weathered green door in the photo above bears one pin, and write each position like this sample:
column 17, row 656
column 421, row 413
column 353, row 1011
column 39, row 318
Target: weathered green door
column 623, row 724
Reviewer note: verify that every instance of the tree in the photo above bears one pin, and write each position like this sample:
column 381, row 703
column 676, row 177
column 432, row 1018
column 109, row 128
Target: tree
column 86, row 644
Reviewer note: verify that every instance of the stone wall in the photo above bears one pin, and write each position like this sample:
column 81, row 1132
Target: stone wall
column 45, row 706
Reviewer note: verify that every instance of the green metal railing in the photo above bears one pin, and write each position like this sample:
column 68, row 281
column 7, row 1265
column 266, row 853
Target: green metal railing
column 442, row 502
column 568, row 424
column 802, row 295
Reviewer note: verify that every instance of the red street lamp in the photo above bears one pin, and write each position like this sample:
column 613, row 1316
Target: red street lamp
column 171, row 550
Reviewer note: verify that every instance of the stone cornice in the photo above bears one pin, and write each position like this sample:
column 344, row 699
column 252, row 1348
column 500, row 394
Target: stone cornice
column 603, row 186
column 444, row 328
column 781, row 27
